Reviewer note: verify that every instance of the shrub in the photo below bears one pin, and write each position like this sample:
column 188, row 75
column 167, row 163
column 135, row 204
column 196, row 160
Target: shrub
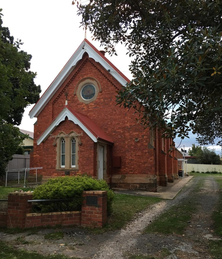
column 70, row 189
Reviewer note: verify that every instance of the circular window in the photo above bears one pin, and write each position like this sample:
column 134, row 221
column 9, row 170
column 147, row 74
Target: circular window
column 88, row 91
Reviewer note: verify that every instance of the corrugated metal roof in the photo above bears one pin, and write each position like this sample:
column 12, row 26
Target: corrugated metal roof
column 83, row 121
column 31, row 134
column 91, row 126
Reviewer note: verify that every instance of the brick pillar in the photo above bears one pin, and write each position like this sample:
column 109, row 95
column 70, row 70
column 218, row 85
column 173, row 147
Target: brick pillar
column 3, row 219
column 17, row 209
column 94, row 209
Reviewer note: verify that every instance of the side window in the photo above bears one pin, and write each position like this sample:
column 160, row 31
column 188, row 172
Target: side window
column 67, row 151
column 62, row 155
column 73, row 152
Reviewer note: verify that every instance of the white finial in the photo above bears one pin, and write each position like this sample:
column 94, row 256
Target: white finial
column 85, row 32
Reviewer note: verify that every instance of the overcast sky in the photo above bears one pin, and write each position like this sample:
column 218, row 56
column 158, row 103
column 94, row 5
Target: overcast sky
column 50, row 31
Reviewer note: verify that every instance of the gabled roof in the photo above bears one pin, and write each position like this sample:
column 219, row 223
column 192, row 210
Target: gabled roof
column 84, row 122
column 31, row 134
column 85, row 47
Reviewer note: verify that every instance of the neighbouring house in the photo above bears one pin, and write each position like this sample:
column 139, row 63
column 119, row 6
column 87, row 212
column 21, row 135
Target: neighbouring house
column 182, row 161
column 81, row 130
column 27, row 142
column 21, row 161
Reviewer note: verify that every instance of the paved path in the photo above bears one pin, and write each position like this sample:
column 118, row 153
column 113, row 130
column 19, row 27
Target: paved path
column 169, row 192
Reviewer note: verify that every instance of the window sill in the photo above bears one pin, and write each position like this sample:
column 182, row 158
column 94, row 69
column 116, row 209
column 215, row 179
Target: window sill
column 67, row 169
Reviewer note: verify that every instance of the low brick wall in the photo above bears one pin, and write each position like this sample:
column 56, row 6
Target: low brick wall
column 68, row 218
column 18, row 207
column 93, row 213
column 3, row 219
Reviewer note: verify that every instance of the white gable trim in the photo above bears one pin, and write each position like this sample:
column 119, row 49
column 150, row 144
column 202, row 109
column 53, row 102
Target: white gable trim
column 61, row 117
column 84, row 47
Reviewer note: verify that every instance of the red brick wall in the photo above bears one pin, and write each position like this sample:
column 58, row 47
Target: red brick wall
column 130, row 139
column 95, row 216
column 19, row 213
column 48, row 152
column 17, row 209
column 162, row 161
column 3, row 219
column 68, row 218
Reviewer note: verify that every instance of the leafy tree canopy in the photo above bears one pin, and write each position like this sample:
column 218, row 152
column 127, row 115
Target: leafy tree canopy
column 177, row 69
column 10, row 139
column 203, row 155
column 195, row 150
column 17, row 90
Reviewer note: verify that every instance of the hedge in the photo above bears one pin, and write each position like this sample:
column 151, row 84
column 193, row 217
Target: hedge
column 70, row 189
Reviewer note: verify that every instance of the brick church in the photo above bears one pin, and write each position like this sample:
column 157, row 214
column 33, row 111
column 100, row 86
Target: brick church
column 81, row 130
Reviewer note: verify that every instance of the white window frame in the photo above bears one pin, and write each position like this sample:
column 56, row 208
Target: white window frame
column 62, row 152
column 73, row 165
column 62, row 141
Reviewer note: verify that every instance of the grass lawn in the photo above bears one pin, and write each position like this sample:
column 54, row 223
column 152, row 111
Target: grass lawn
column 125, row 207
column 173, row 220
column 4, row 191
column 216, row 246
column 8, row 252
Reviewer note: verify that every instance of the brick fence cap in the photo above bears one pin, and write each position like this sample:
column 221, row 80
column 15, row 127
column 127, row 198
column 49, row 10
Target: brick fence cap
column 20, row 193
column 94, row 192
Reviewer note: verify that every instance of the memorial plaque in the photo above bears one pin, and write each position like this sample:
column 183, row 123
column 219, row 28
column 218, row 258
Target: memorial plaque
column 91, row 200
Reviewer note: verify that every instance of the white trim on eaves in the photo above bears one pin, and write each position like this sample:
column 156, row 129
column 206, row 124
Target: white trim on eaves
column 55, row 85
column 61, row 117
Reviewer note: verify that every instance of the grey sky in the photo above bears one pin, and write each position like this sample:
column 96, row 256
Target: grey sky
column 50, row 32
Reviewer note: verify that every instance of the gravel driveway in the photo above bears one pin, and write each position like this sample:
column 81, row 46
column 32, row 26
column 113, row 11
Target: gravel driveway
column 79, row 243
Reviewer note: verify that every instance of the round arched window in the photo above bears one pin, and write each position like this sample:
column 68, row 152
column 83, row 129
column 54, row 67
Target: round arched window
column 88, row 92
